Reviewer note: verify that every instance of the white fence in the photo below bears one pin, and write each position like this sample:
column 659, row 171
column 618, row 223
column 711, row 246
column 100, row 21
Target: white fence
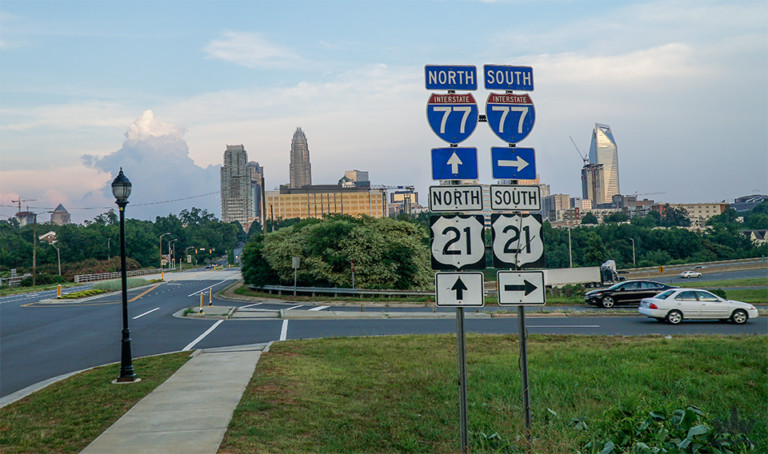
column 80, row 278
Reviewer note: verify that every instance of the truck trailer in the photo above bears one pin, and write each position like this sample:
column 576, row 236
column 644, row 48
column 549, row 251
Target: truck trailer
column 589, row 276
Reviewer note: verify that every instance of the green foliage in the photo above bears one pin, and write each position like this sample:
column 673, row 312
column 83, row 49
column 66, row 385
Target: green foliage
column 387, row 253
column 684, row 431
column 93, row 243
column 589, row 218
column 616, row 217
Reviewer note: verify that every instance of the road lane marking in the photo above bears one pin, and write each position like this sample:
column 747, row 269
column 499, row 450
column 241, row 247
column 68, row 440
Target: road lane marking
column 563, row 326
column 284, row 331
column 319, row 308
column 294, row 307
column 201, row 337
column 145, row 313
column 209, row 287
column 251, row 305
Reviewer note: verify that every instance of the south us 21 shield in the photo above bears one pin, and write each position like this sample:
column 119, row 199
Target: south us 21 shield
column 453, row 117
column 510, row 116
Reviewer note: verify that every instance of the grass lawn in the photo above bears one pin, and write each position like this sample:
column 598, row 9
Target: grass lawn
column 400, row 393
column 68, row 415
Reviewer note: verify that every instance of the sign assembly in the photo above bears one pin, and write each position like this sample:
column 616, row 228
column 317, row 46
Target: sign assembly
column 457, row 242
column 510, row 116
column 517, row 240
column 454, row 163
column 520, row 288
column 508, row 163
column 456, row 198
column 453, row 117
column 459, row 289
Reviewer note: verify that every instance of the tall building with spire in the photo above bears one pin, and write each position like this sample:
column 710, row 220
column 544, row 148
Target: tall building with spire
column 604, row 152
column 236, row 193
column 301, row 170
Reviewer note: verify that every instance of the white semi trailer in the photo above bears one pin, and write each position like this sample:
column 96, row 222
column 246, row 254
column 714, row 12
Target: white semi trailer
column 590, row 276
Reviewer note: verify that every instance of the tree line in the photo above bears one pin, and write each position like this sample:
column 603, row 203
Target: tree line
column 394, row 253
column 94, row 246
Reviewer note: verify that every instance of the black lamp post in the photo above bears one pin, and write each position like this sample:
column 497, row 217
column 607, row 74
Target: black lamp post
column 121, row 189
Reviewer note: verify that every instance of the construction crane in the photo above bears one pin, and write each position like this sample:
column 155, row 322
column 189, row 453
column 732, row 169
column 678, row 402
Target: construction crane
column 583, row 156
column 635, row 194
column 22, row 200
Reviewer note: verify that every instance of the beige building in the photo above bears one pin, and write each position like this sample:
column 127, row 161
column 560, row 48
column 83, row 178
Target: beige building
column 318, row 200
column 699, row 213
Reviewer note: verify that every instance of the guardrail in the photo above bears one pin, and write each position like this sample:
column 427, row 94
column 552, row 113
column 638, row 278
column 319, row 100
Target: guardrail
column 314, row 291
column 80, row 278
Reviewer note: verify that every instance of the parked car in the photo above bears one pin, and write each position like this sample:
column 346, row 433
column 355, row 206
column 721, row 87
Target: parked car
column 627, row 292
column 689, row 274
column 676, row 305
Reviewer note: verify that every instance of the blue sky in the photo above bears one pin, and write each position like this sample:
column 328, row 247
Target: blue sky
column 162, row 87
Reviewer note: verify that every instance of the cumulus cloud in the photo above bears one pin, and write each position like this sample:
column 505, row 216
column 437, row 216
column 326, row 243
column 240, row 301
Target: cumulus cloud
column 252, row 51
column 155, row 157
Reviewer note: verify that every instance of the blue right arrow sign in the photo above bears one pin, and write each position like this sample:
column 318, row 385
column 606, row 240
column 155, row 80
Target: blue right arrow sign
column 509, row 163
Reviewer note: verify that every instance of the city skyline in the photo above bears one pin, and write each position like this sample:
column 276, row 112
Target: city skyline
column 680, row 84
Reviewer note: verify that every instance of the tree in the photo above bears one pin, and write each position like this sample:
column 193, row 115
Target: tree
column 618, row 216
column 589, row 218
column 675, row 217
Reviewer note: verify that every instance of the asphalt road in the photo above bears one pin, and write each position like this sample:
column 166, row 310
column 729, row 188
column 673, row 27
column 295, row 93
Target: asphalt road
column 41, row 341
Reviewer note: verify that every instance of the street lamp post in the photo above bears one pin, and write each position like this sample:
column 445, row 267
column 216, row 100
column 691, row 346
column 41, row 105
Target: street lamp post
column 161, row 250
column 633, row 251
column 58, row 256
column 121, row 189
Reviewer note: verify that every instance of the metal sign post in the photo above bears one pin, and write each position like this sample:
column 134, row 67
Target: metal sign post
column 523, row 334
column 463, row 419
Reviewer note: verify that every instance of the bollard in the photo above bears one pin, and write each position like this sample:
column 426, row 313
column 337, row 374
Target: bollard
column 201, row 302
column 162, row 275
column 58, row 291
column 210, row 298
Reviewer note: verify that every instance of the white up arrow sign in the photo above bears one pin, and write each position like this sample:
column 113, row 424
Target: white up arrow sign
column 455, row 162
column 518, row 162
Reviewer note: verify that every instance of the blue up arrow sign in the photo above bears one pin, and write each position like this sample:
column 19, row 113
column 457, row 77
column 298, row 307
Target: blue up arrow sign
column 454, row 164
column 513, row 163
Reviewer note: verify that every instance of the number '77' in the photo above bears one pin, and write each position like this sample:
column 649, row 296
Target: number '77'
column 505, row 110
column 447, row 110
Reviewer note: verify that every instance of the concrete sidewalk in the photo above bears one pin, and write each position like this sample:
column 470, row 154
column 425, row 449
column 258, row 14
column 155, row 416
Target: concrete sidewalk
column 190, row 412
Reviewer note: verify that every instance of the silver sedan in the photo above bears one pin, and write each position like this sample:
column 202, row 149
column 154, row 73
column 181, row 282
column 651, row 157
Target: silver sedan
column 676, row 305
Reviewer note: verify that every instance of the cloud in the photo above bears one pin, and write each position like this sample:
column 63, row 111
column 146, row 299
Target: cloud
column 252, row 51
column 155, row 157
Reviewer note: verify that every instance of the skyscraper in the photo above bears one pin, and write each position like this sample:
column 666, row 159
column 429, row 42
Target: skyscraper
column 593, row 183
column 301, row 170
column 603, row 151
column 236, row 193
column 256, row 177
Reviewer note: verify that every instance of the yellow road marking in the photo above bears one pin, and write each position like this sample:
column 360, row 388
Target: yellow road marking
column 90, row 304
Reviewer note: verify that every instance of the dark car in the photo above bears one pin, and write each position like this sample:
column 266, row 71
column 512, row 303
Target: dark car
column 627, row 292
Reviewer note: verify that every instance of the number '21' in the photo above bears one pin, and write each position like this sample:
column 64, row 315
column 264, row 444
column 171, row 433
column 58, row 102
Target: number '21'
column 456, row 237
column 508, row 249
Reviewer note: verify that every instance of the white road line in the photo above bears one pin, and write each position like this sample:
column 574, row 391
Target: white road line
column 563, row 326
column 145, row 313
column 209, row 287
column 201, row 337
column 319, row 308
column 294, row 307
column 284, row 330
column 251, row 305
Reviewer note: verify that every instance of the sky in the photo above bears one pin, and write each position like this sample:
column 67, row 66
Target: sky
column 160, row 88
